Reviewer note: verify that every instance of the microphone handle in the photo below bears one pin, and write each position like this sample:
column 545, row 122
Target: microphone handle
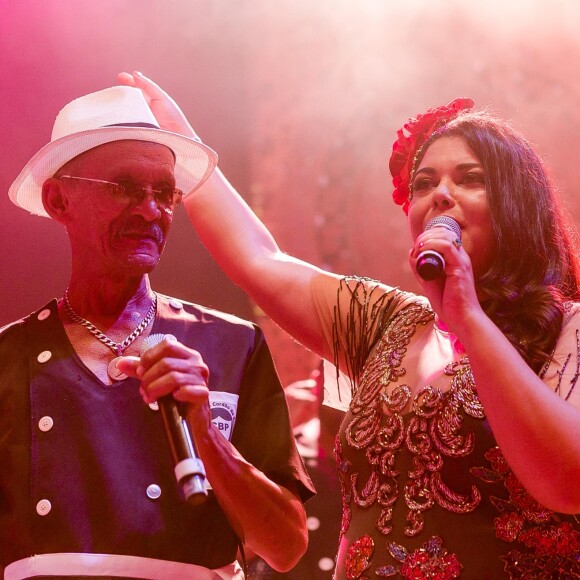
column 430, row 264
column 189, row 470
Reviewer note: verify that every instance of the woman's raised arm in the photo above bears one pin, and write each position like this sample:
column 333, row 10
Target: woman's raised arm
column 240, row 243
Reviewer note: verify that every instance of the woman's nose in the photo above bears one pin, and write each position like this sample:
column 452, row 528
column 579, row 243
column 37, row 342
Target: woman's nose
column 443, row 195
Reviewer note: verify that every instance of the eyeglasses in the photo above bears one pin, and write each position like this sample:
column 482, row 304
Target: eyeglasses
column 130, row 192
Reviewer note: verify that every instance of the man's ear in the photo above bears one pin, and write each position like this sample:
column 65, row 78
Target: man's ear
column 55, row 200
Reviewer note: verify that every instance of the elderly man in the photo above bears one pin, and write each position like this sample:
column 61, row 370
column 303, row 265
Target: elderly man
column 87, row 485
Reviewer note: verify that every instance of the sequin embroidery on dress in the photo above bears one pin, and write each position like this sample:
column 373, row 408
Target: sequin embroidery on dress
column 544, row 546
column 430, row 433
column 397, row 453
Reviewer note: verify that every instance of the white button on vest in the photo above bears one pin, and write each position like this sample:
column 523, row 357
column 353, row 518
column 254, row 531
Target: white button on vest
column 175, row 304
column 153, row 491
column 312, row 523
column 44, row 356
column 154, row 406
column 326, row 564
column 46, row 423
column 43, row 507
column 43, row 314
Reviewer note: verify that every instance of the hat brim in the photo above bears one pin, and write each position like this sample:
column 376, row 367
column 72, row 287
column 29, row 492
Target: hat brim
column 194, row 161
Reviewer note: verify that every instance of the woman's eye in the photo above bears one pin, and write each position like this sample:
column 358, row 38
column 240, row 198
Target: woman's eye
column 474, row 178
column 421, row 184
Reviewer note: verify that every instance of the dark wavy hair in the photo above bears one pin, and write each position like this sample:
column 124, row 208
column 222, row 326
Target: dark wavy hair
column 535, row 271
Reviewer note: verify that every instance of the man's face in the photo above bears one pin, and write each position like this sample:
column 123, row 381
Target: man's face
column 113, row 235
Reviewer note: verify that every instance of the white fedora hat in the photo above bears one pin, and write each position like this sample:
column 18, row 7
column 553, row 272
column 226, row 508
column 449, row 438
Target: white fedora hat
column 113, row 114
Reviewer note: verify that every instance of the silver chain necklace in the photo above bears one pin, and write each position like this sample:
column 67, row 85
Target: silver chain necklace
column 116, row 347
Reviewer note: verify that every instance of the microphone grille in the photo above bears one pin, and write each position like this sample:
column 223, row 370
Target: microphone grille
column 152, row 340
column 446, row 222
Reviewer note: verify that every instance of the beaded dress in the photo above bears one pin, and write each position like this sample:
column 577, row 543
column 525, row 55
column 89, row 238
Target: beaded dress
column 426, row 490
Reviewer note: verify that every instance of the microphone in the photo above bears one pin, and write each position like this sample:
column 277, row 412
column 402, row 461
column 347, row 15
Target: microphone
column 430, row 264
column 188, row 468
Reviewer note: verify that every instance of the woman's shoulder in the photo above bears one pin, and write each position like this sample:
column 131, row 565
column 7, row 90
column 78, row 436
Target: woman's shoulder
column 561, row 372
column 571, row 320
column 571, row 311
column 368, row 290
column 570, row 333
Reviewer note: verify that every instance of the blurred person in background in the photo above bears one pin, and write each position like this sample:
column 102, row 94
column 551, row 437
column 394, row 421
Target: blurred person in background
column 315, row 440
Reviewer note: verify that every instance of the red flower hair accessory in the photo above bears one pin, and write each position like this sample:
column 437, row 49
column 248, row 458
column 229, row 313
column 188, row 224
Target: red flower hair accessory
column 406, row 147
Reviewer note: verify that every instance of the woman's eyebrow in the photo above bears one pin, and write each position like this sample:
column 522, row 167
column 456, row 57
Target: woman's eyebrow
column 459, row 166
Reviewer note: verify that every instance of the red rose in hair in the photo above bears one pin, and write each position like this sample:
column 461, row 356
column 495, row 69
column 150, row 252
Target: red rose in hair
column 405, row 147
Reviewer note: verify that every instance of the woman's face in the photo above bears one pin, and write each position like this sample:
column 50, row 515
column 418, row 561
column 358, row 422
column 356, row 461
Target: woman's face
column 450, row 181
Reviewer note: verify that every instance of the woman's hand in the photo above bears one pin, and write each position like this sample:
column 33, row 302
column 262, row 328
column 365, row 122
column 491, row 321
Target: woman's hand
column 453, row 295
column 168, row 114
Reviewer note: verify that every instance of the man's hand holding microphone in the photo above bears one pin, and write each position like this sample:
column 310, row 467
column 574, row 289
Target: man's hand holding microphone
column 171, row 373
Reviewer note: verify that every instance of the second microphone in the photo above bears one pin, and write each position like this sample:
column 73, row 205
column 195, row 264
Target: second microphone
column 188, row 468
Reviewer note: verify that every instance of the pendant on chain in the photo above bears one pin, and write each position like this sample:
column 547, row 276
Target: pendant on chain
column 114, row 372
column 117, row 347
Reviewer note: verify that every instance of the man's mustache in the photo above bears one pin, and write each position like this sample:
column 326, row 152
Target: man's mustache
column 140, row 230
